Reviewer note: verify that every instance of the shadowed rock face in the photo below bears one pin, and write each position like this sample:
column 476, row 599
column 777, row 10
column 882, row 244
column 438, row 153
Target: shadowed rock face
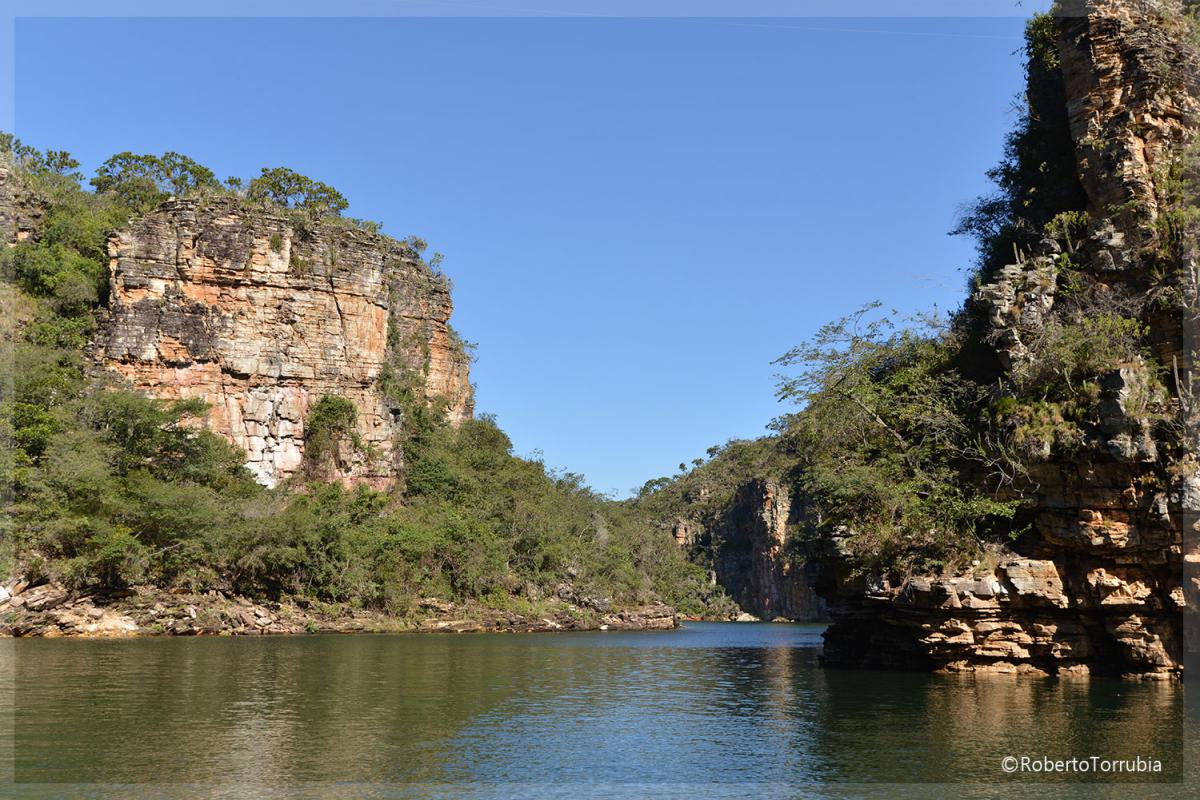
column 1101, row 588
column 260, row 318
column 753, row 558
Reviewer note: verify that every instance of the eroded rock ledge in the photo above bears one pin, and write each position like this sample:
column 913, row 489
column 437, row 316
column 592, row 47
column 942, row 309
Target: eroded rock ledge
column 1022, row 616
column 260, row 316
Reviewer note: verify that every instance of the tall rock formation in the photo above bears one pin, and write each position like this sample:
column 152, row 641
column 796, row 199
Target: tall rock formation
column 754, row 555
column 744, row 529
column 1097, row 585
column 260, row 314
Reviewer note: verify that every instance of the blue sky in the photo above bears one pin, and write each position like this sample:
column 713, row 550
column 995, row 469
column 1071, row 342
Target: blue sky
column 638, row 214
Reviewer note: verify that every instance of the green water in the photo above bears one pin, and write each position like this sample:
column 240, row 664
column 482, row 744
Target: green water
column 741, row 710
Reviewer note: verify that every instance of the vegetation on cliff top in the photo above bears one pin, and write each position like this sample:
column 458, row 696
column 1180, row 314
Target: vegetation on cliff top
column 106, row 488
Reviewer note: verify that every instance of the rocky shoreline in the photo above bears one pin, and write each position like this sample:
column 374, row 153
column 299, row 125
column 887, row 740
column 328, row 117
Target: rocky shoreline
column 1022, row 617
column 51, row 610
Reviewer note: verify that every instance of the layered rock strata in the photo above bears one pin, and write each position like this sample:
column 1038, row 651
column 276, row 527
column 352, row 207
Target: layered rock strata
column 1097, row 586
column 20, row 211
column 260, row 315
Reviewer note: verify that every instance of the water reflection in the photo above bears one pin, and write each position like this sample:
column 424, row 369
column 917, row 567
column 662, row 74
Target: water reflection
column 714, row 705
column 959, row 728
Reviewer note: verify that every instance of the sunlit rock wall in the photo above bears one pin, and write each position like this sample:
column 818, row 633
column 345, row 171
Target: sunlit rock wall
column 260, row 316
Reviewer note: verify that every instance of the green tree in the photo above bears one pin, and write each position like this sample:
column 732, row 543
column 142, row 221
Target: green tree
column 330, row 421
column 144, row 181
column 884, row 433
column 289, row 189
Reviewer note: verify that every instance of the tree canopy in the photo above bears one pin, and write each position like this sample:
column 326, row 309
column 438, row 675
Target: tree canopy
column 289, row 189
column 144, row 181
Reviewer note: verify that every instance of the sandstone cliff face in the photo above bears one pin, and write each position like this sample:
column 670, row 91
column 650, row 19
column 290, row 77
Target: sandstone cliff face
column 8, row 217
column 1101, row 586
column 753, row 556
column 20, row 213
column 260, row 317
column 750, row 544
column 1133, row 92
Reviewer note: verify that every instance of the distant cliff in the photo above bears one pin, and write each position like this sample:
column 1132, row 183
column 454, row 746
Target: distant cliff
column 739, row 516
column 755, row 554
column 260, row 316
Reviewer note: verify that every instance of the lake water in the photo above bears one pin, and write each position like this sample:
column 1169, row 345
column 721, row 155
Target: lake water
column 738, row 710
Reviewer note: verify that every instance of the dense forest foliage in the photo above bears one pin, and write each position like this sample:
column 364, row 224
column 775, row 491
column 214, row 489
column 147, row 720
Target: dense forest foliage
column 105, row 488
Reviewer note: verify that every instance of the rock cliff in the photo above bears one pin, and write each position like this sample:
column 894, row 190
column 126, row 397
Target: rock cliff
column 260, row 314
column 738, row 516
column 1096, row 583
column 20, row 213
column 754, row 555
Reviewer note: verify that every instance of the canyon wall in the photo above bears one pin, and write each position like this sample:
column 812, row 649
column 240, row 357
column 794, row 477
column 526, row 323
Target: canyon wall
column 754, row 557
column 748, row 541
column 1097, row 583
column 260, row 314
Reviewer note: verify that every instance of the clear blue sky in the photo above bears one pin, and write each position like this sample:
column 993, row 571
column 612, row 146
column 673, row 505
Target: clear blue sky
column 638, row 214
